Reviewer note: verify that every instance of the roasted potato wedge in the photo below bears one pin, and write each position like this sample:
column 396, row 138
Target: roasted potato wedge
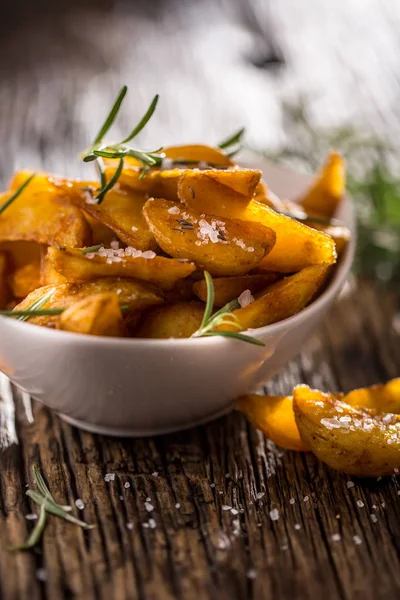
column 99, row 314
column 136, row 295
column 43, row 214
column 223, row 248
column 5, row 294
column 203, row 190
column 198, row 153
column 229, row 288
column 280, row 300
column 340, row 234
column 25, row 279
column 265, row 196
column 297, row 245
column 325, row 194
column 121, row 211
column 362, row 438
column 178, row 320
column 158, row 270
column 160, row 183
column 274, row 416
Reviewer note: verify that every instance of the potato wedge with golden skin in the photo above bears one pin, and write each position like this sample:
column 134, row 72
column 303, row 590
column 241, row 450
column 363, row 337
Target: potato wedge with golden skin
column 280, row 300
column 297, row 245
column 203, row 190
column 42, row 213
column 25, row 279
column 360, row 441
column 5, row 294
column 137, row 295
column 340, row 234
column 160, row 271
column 99, row 314
column 121, row 211
column 179, row 320
column 229, row 288
column 274, row 416
column 159, row 183
column 380, row 397
column 222, row 247
column 198, row 153
column 326, row 192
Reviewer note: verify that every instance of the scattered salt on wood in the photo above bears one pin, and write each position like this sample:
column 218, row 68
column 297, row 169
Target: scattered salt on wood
column 274, row 514
column 79, row 504
column 109, row 477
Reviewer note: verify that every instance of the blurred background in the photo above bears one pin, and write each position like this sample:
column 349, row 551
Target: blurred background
column 300, row 76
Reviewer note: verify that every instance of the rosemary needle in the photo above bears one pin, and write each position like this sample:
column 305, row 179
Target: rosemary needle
column 222, row 317
column 17, row 192
column 36, row 532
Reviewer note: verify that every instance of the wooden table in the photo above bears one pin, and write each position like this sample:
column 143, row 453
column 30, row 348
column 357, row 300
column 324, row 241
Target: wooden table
column 189, row 515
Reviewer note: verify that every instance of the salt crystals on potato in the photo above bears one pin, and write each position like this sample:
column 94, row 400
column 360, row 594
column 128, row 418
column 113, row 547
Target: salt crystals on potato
column 222, row 247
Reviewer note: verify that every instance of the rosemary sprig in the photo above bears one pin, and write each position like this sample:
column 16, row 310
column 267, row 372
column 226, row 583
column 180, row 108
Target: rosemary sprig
column 95, row 248
column 33, row 307
column 17, row 192
column 24, row 315
column 233, row 144
column 223, row 316
column 48, row 505
column 100, row 149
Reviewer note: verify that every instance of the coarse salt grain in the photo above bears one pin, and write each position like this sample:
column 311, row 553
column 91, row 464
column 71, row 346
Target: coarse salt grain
column 148, row 506
column 31, row 517
column 177, row 505
column 41, row 574
column 234, row 511
column 152, row 524
column 174, row 210
column 226, row 507
column 350, row 484
column 245, row 298
column 297, row 526
column 260, row 495
column 129, row 526
column 357, row 540
column 292, row 501
column 274, row 514
column 336, row 537
column 373, row 518
column 134, row 228
column 109, row 477
column 79, row 504
column 306, row 498
column 251, row 574
column 127, row 484
column 155, row 473
column 360, row 503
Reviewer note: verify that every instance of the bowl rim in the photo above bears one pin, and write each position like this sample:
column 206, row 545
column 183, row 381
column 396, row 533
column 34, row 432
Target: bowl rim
column 332, row 289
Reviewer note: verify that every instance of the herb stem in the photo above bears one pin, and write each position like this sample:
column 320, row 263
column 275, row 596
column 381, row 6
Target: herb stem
column 17, row 192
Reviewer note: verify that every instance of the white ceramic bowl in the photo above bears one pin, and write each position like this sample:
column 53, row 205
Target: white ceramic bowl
column 144, row 387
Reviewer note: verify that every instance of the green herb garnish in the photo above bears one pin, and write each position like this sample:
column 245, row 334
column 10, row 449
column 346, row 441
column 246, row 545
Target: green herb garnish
column 233, row 144
column 95, row 248
column 48, row 505
column 222, row 317
column 101, row 149
column 17, row 192
column 26, row 314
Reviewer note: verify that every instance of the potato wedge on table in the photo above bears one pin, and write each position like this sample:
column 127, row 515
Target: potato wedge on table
column 5, row 294
column 179, row 320
column 121, row 211
column 222, row 247
column 274, row 416
column 99, row 314
column 280, row 300
column 42, row 213
column 229, row 288
column 158, row 270
column 297, row 245
column 136, row 295
column 362, row 438
column 325, row 194
column 203, row 190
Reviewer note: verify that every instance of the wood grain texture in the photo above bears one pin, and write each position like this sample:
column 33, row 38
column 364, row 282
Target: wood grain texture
column 206, row 531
